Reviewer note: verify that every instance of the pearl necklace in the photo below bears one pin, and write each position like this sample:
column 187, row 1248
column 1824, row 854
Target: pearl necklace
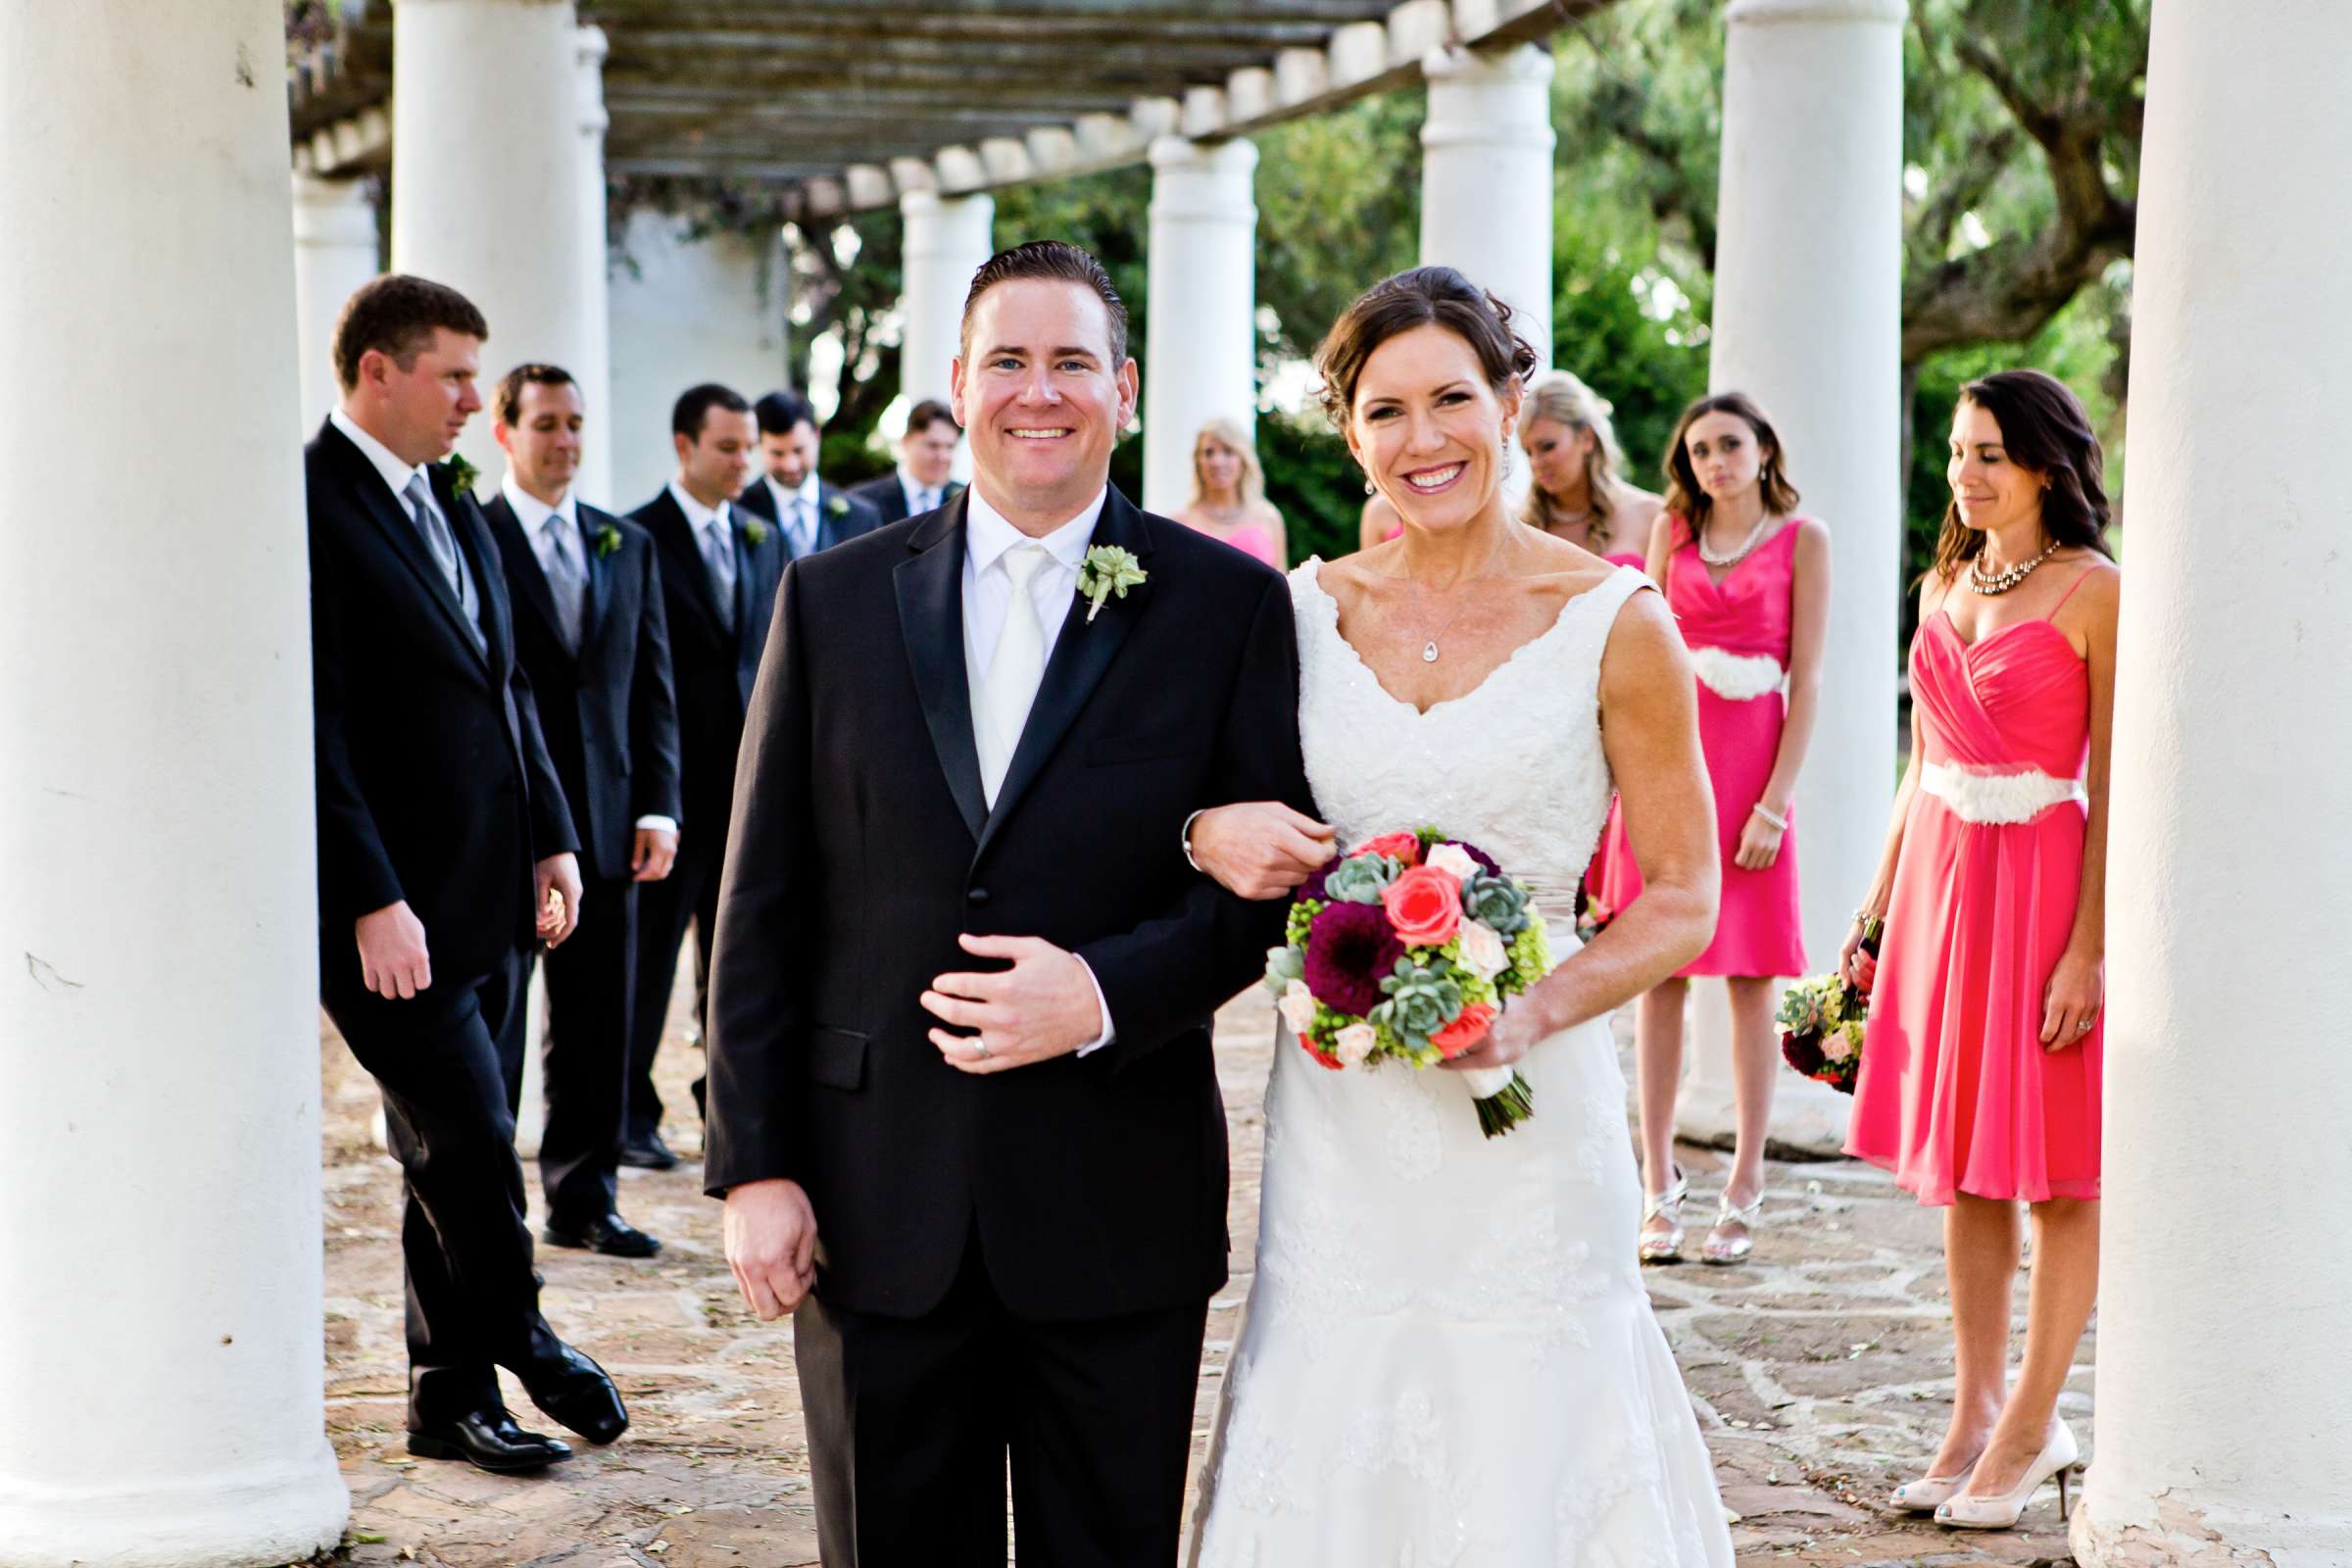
column 2000, row 582
column 1747, row 546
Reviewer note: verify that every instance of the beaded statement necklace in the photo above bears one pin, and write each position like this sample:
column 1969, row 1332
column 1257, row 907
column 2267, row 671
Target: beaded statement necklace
column 1747, row 546
column 1980, row 581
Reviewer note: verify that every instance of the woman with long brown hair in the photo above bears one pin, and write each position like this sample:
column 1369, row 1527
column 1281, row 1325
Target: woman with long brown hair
column 1748, row 580
column 1981, row 1066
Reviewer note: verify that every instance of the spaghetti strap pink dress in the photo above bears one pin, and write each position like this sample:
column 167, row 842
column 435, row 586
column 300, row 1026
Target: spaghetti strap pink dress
column 1738, row 633
column 1957, row 1093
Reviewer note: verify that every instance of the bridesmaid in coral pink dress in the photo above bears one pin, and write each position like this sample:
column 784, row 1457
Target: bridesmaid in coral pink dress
column 1749, row 582
column 1980, row 1085
column 1229, row 495
column 1579, row 495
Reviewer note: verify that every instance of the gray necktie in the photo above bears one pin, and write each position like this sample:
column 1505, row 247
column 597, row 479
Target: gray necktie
column 437, row 538
column 719, row 554
column 566, row 580
column 803, row 528
column 928, row 501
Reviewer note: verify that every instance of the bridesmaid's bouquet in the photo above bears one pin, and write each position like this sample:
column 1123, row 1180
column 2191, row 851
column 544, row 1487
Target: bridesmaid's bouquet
column 1404, row 950
column 1821, row 1026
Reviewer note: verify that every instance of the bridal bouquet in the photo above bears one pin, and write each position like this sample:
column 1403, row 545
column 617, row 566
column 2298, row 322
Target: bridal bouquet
column 1404, row 950
column 1821, row 1026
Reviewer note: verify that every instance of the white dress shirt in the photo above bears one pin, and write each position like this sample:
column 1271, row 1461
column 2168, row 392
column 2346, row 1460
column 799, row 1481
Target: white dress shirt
column 534, row 514
column 921, row 497
column 988, row 591
column 790, row 505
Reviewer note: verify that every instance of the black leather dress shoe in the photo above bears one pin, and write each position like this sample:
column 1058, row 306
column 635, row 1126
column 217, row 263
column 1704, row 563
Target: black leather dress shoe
column 574, row 1391
column 490, row 1440
column 649, row 1152
column 607, row 1234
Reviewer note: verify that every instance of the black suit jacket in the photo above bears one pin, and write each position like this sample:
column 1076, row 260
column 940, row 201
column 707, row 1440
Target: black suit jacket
column 841, row 516
column 888, row 497
column 434, row 784
column 712, row 665
column 610, row 713
column 861, row 849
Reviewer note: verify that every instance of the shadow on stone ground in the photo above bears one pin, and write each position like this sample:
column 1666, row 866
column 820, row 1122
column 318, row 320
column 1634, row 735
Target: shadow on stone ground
column 1820, row 1371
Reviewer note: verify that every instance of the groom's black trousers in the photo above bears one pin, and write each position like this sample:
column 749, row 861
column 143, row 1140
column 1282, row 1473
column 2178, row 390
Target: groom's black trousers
column 910, row 1421
column 443, row 1061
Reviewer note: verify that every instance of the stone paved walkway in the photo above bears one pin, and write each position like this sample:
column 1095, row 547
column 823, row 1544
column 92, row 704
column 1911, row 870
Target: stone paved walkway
column 1820, row 1371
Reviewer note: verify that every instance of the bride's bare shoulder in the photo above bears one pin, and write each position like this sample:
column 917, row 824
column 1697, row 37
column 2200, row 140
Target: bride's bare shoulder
column 1558, row 572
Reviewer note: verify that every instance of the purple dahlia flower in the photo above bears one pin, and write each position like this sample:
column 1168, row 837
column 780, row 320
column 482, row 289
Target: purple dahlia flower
column 1486, row 861
column 1349, row 947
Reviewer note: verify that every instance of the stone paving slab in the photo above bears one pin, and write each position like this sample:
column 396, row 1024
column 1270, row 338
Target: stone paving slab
column 1820, row 1370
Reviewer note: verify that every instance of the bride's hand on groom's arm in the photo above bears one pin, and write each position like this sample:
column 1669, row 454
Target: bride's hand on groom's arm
column 1260, row 849
column 1045, row 1005
column 770, row 1235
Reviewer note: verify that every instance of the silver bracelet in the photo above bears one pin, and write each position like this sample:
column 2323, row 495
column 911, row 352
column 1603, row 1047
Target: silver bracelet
column 1765, row 812
column 1187, row 840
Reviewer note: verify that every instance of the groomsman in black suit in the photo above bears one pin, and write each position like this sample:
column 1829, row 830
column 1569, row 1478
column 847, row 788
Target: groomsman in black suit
column 719, row 568
column 926, row 458
column 812, row 515
column 444, row 847
column 590, row 629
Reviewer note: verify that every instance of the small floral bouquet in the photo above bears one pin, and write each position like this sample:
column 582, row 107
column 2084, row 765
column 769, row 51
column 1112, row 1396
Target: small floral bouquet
column 1820, row 1025
column 1404, row 950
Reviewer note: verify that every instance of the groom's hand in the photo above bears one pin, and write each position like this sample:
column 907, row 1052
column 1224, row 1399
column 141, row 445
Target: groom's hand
column 770, row 1235
column 1045, row 1006
column 1260, row 849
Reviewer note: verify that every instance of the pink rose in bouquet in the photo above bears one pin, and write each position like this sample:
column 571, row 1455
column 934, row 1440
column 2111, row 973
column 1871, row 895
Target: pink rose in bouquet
column 1425, row 905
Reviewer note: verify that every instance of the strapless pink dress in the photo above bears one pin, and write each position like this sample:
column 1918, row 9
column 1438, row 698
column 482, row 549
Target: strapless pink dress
column 1253, row 540
column 1957, row 1093
column 1598, row 875
column 1738, row 631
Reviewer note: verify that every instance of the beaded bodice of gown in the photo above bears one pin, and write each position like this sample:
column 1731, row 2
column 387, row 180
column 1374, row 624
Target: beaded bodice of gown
column 1514, row 765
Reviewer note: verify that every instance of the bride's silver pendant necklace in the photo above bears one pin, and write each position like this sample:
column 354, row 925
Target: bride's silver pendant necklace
column 1428, row 645
column 1987, row 583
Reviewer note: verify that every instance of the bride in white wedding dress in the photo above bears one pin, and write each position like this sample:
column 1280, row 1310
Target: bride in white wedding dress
column 1450, row 1359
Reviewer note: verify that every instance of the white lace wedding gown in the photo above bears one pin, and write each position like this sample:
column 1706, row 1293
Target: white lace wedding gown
column 1450, row 1359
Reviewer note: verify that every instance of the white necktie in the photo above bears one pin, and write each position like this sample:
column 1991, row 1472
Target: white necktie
column 1013, row 673
column 719, row 554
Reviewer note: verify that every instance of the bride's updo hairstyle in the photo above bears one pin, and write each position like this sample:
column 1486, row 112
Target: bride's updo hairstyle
column 2046, row 431
column 1426, row 296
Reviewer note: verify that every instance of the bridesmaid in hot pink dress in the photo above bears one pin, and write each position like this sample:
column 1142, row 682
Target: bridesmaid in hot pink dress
column 1578, row 495
column 1229, row 495
column 1749, row 582
column 1980, row 1085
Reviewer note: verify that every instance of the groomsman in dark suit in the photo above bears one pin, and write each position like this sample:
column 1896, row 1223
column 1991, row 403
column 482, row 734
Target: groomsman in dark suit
column 718, row 569
column 812, row 515
column 444, row 847
column 590, row 629
column 926, row 458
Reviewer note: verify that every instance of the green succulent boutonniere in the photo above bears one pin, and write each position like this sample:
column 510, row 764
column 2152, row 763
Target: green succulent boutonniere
column 1107, row 571
column 755, row 532
column 608, row 540
column 462, row 474
column 838, row 505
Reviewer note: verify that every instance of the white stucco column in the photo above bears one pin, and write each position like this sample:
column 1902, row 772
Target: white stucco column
column 592, row 362
column 160, row 1361
column 335, row 247
column 486, row 184
column 1808, row 320
column 1203, row 331
column 2225, row 1338
column 1486, row 180
column 945, row 239
column 686, row 310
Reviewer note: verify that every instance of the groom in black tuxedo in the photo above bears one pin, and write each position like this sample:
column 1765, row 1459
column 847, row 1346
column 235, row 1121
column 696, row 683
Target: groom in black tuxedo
column 444, row 847
column 589, row 628
column 963, row 1109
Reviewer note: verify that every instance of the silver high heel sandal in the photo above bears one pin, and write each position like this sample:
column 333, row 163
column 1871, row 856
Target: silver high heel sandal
column 1666, row 1245
column 2059, row 1458
column 1927, row 1494
column 1725, row 1245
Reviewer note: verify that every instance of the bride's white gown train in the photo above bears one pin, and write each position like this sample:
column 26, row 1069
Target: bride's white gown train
column 1450, row 1359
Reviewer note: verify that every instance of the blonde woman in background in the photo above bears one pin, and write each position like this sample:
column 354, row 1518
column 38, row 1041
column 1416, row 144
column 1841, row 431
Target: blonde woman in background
column 1572, row 456
column 1229, row 495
